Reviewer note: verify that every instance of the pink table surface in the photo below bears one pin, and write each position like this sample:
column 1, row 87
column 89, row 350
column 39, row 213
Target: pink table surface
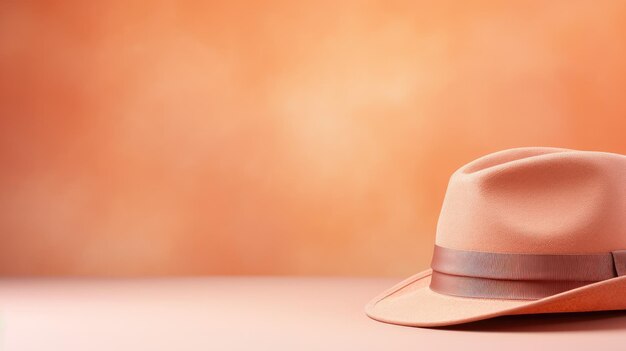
column 227, row 313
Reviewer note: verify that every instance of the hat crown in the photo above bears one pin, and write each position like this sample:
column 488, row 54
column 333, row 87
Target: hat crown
column 537, row 200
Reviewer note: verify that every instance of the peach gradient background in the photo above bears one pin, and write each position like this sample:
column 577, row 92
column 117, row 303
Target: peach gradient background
column 278, row 137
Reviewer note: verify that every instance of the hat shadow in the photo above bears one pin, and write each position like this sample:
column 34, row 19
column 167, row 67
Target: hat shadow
column 548, row 322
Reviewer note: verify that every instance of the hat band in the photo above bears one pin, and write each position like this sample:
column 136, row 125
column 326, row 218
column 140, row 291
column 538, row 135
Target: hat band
column 519, row 276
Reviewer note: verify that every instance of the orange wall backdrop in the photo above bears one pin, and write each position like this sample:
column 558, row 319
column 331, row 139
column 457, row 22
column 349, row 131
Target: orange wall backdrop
column 278, row 137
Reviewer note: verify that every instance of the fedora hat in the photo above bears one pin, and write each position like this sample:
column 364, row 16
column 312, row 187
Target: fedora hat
column 521, row 231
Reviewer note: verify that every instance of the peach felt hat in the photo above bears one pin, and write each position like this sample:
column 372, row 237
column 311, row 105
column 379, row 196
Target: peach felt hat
column 521, row 231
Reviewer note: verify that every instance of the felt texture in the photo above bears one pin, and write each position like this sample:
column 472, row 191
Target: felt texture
column 537, row 200
column 526, row 201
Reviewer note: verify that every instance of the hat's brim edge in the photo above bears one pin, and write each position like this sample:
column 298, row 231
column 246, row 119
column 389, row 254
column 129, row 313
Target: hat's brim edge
column 545, row 305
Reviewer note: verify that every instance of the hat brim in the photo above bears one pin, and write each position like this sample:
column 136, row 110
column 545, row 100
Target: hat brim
column 412, row 303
